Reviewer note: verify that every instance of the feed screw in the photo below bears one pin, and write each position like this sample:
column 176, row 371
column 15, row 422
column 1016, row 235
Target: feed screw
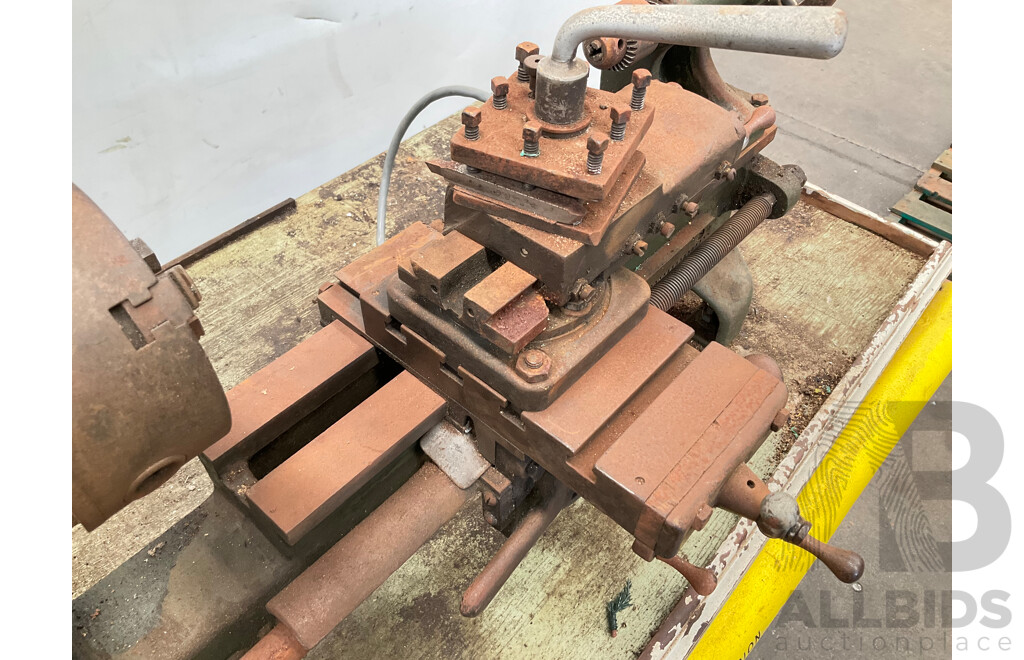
column 596, row 145
column 531, row 139
column 523, row 51
column 620, row 117
column 471, row 120
column 499, row 88
column 641, row 80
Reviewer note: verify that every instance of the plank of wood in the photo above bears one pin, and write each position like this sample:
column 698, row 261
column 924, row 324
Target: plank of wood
column 843, row 208
column 924, row 215
column 944, row 163
column 935, row 187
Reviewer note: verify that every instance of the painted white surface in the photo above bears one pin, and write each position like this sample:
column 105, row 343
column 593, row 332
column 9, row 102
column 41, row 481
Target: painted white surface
column 191, row 116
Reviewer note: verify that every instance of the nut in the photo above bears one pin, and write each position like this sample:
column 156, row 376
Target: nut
column 499, row 86
column 533, row 365
column 621, row 113
column 641, row 78
column 757, row 100
column 525, row 49
column 597, row 142
column 666, row 229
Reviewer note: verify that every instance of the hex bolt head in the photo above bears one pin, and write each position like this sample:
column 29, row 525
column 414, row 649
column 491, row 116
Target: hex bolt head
column 620, row 114
column 499, row 89
column 641, row 81
column 531, row 139
column 471, row 120
column 533, row 365
column 757, row 100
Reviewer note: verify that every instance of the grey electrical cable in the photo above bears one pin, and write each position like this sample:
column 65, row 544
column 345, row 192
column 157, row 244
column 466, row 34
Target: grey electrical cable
column 396, row 141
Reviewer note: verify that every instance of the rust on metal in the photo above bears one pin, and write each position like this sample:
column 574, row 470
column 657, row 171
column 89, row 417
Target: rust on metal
column 302, row 491
column 333, row 586
column 278, row 644
column 702, row 580
column 492, row 578
column 144, row 397
column 264, row 405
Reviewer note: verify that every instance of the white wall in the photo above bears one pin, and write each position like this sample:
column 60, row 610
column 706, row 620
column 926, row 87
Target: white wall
column 192, row 115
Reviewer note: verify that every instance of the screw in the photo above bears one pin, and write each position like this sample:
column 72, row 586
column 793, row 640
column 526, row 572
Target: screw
column 620, row 117
column 757, row 100
column 666, row 229
column 641, row 80
column 531, row 139
column 596, row 145
column 639, row 248
column 499, row 88
column 523, row 51
column 471, row 120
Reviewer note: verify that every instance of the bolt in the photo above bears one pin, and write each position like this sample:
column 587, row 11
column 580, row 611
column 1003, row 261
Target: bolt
column 490, row 519
column 666, row 229
column 499, row 88
column 533, row 358
column 533, row 365
column 725, row 171
column 757, row 100
column 490, row 500
column 471, row 120
column 641, row 80
column 596, row 145
column 523, row 51
column 690, row 208
column 620, row 117
column 531, row 139
column 639, row 248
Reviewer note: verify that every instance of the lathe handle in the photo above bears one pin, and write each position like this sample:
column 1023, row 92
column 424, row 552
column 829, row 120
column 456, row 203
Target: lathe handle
column 846, row 565
column 816, row 32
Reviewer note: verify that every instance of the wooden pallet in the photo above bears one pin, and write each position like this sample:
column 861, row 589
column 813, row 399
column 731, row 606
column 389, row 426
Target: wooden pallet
column 929, row 206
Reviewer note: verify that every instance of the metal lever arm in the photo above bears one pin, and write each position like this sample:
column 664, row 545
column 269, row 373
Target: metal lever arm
column 815, row 32
column 778, row 516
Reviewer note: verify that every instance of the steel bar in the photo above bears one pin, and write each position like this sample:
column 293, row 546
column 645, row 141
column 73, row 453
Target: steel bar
column 493, row 577
column 815, row 32
column 329, row 590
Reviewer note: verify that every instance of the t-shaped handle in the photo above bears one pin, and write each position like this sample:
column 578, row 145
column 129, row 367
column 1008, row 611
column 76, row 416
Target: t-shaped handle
column 778, row 516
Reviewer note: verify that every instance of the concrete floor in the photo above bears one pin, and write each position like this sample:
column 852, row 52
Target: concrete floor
column 865, row 126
